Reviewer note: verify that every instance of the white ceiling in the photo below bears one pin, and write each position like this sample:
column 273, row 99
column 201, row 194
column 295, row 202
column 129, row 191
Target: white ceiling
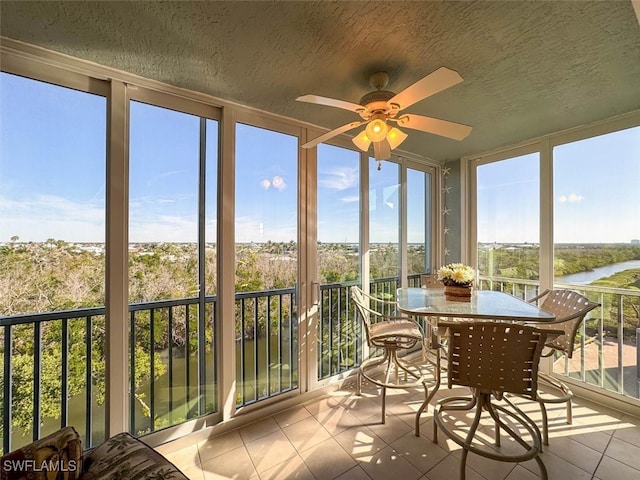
column 529, row 67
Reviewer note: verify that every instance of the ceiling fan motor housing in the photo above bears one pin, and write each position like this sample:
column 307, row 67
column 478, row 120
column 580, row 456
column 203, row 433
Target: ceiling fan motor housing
column 377, row 101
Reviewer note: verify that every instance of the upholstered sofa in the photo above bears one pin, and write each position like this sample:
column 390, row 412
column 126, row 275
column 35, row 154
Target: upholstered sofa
column 59, row 456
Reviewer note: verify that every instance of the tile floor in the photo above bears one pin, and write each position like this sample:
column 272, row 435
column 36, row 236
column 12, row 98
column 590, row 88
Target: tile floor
column 340, row 436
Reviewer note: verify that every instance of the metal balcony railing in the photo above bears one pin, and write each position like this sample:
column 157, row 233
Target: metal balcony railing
column 53, row 371
column 172, row 362
column 171, row 355
column 266, row 344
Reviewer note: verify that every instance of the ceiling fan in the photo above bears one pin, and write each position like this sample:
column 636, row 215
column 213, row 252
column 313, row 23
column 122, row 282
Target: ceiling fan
column 380, row 111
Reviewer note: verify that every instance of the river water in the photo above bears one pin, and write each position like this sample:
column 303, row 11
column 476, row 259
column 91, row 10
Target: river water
column 584, row 278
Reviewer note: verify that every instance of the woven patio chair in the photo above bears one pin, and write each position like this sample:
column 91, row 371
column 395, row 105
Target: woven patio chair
column 392, row 334
column 492, row 359
column 570, row 309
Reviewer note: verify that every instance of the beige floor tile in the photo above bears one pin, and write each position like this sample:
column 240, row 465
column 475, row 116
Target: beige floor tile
column 391, row 430
column 576, row 453
column 603, row 419
column 270, row 450
column 231, row 464
column 421, row 452
column 449, row 468
column 334, row 400
column 306, row 433
column 624, row 452
column 557, row 468
column 487, row 467
column 292, row 469
column 218, row 445
column 337, row 420
column 611, row 469
column 184, row 458
column 521, row 473
column 340, row 436
column 360, row 442
column 587, row 436
column 386, row 464
column 628, row 430
column 355, row 473
column 291, row 416
column 193, row 473
column 258, row 429
column 327, row 460
column 407, row 409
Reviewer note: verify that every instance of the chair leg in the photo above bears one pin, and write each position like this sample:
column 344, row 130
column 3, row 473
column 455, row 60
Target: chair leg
column 384, row 405
column 482, row 402
column 565, row 397
column 428, row 397
column 545, row 424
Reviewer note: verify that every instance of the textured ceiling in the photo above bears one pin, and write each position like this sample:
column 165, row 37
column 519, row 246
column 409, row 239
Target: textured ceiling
column 529, row 67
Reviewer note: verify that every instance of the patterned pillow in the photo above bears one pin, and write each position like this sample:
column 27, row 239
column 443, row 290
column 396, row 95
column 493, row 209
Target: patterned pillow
column 55, row 457
column 122, row 457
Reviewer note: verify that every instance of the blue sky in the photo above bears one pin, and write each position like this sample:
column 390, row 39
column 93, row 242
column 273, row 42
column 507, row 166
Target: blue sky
column 52, row 180
column 596, row 193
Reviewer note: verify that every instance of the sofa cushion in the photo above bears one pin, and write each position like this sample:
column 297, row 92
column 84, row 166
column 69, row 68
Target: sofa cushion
column 124, row 457
column 57, row 456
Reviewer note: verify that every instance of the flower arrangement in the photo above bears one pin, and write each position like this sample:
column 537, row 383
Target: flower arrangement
column 457, row 274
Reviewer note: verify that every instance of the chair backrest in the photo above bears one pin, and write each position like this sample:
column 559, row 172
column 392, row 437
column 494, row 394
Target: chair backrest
column 362, row 309
column 495, row 357
column 430, row 280
column 570, row 309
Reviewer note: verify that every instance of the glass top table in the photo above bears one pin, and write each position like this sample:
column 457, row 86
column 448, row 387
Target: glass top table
column 484, row 304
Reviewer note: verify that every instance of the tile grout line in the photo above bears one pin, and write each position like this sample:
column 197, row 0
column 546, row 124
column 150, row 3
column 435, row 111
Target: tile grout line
column 602, row 456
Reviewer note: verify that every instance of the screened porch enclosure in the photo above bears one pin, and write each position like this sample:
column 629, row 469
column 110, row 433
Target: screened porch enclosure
column 174, row 264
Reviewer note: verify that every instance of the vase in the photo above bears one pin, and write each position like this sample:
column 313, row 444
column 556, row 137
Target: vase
column 457, row 293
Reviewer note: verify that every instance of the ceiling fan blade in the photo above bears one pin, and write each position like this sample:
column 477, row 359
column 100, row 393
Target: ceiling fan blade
column 444, row 128
column 331, row 102
column 331, row 134
column 435, row 82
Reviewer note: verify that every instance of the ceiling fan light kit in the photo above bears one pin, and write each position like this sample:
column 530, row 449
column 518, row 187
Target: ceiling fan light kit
column 395, row 137
column 362, row 141
column 380, row 107
column 377, row 128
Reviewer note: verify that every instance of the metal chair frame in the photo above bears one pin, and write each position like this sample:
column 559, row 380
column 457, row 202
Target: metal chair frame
column 393, row 334
column 492, row 358
column 570, row 309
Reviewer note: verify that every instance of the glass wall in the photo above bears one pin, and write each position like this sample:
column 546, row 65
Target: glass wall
column 591, row 231
column 384, row 227
column 597, row 247
column 419, row 251
column 173, row 337
column 52, row 258
column 508, row 218
column 338, row 207
column 53, row 204
column 266, row 210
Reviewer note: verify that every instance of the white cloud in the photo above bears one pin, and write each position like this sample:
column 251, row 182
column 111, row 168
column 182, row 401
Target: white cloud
column 50, row 216
column 339, row 178
column 350, row 199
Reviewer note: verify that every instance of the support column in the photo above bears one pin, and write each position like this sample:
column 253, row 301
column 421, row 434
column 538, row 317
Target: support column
column 117, row 273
